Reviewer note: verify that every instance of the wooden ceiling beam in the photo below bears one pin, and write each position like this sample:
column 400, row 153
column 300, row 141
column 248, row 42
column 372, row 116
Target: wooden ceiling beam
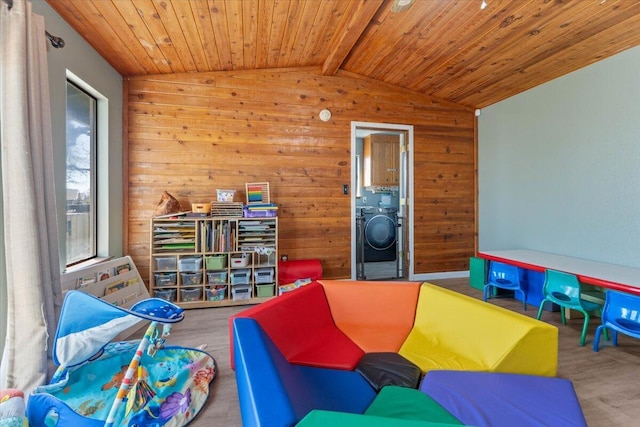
column 346, row 37
column 451, row 50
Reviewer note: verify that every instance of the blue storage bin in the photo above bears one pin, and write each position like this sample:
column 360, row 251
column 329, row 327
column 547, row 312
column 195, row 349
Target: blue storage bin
column 190, row 263
column 241, row 292
column 241, row 277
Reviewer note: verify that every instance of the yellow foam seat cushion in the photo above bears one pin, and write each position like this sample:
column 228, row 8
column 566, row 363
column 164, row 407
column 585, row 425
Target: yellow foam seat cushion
column 454, row 331
column 377, row 316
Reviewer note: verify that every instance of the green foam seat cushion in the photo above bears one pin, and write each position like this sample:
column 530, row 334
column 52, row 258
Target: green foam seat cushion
column 409, row 404
column 320, row 418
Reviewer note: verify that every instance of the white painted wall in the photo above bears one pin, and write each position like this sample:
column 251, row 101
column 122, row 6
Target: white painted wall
column 80, row 59
column 559, row 165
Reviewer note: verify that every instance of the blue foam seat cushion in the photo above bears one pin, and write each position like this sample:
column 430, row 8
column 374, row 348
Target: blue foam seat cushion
column 274, row 392
column 497, row 399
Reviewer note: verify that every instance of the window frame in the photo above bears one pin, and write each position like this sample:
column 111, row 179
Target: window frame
column 100, row 176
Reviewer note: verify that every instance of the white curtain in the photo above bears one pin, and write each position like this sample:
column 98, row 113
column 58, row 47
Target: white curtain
column 31, row 257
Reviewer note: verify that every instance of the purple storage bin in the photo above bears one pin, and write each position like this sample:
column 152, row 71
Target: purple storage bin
column 265, row 213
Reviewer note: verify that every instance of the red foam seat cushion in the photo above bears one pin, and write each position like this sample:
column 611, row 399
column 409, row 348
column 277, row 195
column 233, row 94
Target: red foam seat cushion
column 300, row 324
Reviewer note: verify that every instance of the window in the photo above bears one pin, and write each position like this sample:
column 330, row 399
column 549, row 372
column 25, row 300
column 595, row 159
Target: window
column 81, row 175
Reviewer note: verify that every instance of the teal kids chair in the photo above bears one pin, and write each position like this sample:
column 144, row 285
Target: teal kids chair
column 505, row 276
column 564, row 289
column 621, row 313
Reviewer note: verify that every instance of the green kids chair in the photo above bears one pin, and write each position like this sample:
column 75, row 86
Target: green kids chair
column 564, row 289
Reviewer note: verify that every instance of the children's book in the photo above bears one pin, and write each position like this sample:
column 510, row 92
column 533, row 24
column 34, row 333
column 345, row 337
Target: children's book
column 103, row 274
column 124, row 268
column 114, row 287
column 83, row 281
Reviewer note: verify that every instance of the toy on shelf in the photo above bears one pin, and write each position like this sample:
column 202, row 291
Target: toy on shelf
column 259, row 201
column 258, row 193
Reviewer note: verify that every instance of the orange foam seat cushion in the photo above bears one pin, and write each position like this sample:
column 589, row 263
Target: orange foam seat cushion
column 377, row 316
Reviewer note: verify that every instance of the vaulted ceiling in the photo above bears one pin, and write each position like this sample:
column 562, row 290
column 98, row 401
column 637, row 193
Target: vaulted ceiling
column 449, row 49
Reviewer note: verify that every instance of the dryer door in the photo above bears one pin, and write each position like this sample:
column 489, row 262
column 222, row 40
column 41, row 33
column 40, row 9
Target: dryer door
column 380, row 232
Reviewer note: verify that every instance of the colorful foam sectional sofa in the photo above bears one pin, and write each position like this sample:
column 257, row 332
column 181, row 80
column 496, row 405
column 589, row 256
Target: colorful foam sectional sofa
column 391, row 353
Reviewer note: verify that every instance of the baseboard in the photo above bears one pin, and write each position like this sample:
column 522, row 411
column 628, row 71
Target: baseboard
column 443, row 275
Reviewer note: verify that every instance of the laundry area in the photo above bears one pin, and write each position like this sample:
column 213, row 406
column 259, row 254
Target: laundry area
column 378, row 214
column 377, row 243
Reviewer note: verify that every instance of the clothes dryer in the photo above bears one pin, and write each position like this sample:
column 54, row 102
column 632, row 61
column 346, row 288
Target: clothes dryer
column 380, row 227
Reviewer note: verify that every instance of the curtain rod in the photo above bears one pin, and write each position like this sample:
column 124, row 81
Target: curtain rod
column 55, row 41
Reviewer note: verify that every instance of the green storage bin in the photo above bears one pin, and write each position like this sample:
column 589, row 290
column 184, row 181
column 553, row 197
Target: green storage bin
column 477, row 272
column 216, row 262
column 266, row 290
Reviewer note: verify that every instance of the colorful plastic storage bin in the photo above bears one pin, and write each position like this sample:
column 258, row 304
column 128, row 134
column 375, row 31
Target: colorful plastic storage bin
column 216, row 293
column 165, row 279
column 241, row 292
column 216, row 277
column 189, row 279
column 165, row 263
column 263, row 275
column 165, row 294
column 215, row 262
column 265, row 290
column 240, row 277
column 247, row 212
column 190, row 295
column 240, row 260
column 190, row 263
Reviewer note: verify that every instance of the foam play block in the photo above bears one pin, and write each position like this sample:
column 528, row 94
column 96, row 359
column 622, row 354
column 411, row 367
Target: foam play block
column 477, row 272
column 300, row 324
column 455, row 331
column 409, row 404
column 320, row 418
column 496, row 399
column 273, row 393
column 377, row 316
column 290, row 271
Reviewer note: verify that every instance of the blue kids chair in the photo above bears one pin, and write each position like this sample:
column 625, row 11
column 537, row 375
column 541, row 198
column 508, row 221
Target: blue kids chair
column 621, row 313
column 504, row 276
column 564, row 289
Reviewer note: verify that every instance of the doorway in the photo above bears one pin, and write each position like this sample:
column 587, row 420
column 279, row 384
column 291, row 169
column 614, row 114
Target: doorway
column 381, row 213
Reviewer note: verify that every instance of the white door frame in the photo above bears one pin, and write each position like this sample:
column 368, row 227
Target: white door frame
column 407, row 204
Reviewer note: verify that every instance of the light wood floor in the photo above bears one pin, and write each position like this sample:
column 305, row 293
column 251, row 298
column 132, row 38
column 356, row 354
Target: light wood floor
column 607, row 382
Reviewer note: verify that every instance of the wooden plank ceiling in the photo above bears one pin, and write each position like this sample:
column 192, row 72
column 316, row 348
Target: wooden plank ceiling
column 448, row 49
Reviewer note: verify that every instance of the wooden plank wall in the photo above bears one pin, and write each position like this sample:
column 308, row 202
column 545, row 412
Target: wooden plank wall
column 193, row 133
